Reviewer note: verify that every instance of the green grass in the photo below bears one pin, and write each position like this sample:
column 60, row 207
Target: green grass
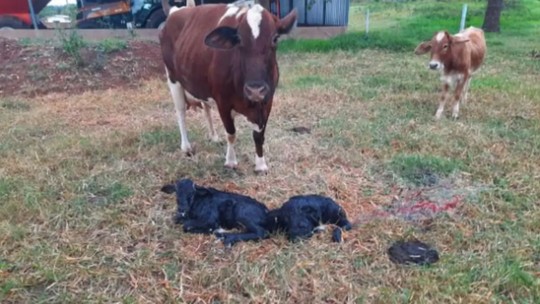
column 82, row 218
column 423, row 170
column 111, row 45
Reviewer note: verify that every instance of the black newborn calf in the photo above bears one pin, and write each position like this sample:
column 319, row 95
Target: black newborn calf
column 302, row 215
column 207, row 210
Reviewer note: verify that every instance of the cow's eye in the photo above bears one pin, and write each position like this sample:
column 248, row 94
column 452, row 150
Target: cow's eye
column 275, row 40
column 445, row 46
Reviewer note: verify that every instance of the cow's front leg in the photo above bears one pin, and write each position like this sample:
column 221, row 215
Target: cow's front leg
column 442, row 102
column 228, row 123
column 457, row 97
column 260, row 162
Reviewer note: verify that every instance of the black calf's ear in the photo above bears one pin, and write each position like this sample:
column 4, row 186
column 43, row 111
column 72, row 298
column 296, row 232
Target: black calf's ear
column 169, row 189
column 201, row 190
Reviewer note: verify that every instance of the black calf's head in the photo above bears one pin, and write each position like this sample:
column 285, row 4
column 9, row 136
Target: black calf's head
column 185, row 190
column 302, row 222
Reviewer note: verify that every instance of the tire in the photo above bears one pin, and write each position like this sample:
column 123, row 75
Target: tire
column 8, row 22
column 156, row 19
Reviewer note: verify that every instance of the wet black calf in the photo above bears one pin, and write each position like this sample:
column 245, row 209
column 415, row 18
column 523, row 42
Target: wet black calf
column 207, row 210
column 302, row 215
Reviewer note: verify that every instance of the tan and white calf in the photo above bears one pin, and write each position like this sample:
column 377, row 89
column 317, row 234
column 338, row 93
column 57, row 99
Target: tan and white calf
column 457, row 57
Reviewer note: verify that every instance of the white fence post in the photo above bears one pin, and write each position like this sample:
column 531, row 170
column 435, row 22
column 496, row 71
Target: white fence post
column 367, row 22
column 463, row 17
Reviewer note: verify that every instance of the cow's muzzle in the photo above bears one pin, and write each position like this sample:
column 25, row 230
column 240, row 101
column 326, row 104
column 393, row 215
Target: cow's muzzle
column 256, row 91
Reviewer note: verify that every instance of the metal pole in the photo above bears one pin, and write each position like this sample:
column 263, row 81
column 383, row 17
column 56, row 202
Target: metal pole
column 367, row 21
column 463, row 17
column 33, row 15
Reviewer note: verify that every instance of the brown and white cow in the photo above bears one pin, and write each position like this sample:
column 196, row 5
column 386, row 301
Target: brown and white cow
column 224, row 54
column 457, row 57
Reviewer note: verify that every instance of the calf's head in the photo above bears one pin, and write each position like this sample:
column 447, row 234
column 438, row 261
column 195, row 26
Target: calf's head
column 185, row 190
column 301, row 223
column 441, row 46
column 254, row 39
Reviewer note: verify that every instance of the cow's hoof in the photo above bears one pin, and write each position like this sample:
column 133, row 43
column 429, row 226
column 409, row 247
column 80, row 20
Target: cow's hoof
column 214, row 138
column 231, row 165
column 188, row 151
column 261, row 171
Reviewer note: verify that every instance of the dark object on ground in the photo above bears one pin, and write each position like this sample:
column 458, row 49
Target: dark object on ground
column 301, row 216
column 207, row 210
column 412, row 252
column 301, row 130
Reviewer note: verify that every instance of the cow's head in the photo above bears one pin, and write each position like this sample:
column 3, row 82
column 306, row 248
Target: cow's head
column 254, row 38
column 185, row 190
column 441, row 48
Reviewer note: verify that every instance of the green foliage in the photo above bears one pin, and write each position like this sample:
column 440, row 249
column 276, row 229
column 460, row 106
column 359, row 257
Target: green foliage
column 111, row 45
column 14, row 104
column 72, row 43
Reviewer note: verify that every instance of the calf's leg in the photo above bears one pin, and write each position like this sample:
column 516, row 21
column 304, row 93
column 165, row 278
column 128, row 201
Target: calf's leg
column 442, row 102
column 457, row 96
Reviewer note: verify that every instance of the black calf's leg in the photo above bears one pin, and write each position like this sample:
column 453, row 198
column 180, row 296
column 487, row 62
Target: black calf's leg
column 253, row 233
column 198, row 226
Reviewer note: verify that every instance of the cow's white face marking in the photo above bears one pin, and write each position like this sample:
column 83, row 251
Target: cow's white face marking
column 242, row 12
column 439, row 37
column 254, row 18
column 231, row 11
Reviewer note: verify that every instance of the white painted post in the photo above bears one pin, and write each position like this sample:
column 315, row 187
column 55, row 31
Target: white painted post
column 463, row 17
column 367, row 21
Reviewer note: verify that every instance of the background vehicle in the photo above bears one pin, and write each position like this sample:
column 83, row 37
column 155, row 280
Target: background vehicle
column 16, row 14
column 93, row 14
column 126, row 13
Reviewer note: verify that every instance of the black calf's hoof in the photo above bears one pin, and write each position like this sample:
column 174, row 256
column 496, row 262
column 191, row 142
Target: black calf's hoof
column 412, row 252
column 337, row 235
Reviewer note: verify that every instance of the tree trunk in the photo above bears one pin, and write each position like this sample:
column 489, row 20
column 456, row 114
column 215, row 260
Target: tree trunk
column 493, row 16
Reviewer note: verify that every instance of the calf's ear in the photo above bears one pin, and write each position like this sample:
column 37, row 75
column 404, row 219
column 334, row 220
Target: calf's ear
column 201, row 191
column 169, row 189
column 223, row 38
column 285, row 25
column 423, row 48
column 458, row 39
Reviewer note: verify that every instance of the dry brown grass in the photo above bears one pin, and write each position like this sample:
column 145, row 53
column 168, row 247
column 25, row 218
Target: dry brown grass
column 82, row 218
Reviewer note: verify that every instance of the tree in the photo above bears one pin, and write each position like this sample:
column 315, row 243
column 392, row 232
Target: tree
column 493, row 16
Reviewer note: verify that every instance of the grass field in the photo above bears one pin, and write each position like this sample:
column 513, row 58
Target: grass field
column 82, row 219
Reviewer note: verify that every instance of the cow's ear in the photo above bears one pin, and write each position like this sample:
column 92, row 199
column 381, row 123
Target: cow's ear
column 458, row 39
column 285, row 25
column 223, row 38
column 423, row 48
column 169, row 189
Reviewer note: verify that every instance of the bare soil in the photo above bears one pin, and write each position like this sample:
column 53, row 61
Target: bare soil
column 33, row 70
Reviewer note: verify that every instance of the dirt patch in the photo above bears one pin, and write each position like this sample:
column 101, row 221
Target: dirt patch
column 32, row 70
